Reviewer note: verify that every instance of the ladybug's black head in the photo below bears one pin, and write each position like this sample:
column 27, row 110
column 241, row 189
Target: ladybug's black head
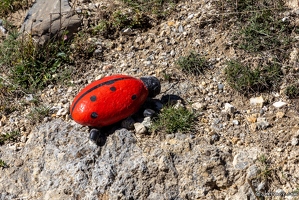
column 152, row 84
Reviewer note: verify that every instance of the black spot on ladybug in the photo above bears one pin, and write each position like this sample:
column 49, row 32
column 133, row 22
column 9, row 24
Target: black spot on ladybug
column 113, row 89
column 94, row 115
column 98, row 86
column 93, row 98
column 134, row 97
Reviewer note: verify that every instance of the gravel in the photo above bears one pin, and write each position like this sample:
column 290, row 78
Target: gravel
column 218, row 159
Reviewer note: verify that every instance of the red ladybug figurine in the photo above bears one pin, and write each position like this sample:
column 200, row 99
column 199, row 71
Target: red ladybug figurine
column 111, row 99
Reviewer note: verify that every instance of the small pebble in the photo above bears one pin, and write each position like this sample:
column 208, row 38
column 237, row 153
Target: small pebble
column 261, row 186
column 220, row 86
column 279, row 104
column 198, row 106
column 262, row 123
column 29, row 97
column 140, row 128
column 257, row 101
column 147, row 122
column 181, row 29
column 215, row 137
column 229, row 108
column 235, row 122
column 252, row 172
column 128, row 123
column 294, row 141
column 279, row 192
column 18, row 162
column 148, row 113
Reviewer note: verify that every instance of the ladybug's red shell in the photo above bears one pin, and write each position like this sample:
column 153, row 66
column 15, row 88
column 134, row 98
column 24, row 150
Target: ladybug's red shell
column 108, row 100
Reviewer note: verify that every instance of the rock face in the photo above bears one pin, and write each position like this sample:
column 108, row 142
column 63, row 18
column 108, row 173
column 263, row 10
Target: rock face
column 59, row 162
column 50, row 17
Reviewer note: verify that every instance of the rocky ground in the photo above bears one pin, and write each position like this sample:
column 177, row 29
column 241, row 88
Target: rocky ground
column 241, row 147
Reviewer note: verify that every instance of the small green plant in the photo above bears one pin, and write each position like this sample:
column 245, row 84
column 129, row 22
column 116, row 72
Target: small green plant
column 154, row 7
column 264, row 32
column 8, row 6
column 120, row 20
column 292, row 91
column 245, row 79
column 3, row 164
column 266, row 170
column 101, row 27
column 133, row 14
column 192, row 64
column 173, row 119
column 38, row 114
column 12, row 136
column 29, row 66
column 166, row 76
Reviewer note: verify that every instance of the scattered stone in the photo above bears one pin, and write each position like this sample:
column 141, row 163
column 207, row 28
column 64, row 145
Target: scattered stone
column 235, row 122
column 2, row 29
column 192, row 136
column 23, row 139
column 18, row 162
column 294, row 141
column 220, row 86
column 181, row 28
column 252, row 118
column 257, row 101
column 170, row 23
column 235, row 140
column 148, row 113
column 62, row 112
column 279, row 104
column 261, row 123
column 128, row 123
column 229, row 108
column 252, row 172
column 261, row 186
column 280, row 192
column 178, row 104
column 127, row 31
column 147, row 122
column 29, row 97
column 140, row 129
column 198, row 106
column 215, row 137
column 280, row 115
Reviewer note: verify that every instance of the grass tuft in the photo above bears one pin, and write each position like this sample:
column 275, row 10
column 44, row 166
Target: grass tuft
column 172, row 119
column 292, row 91
column 263, row 32
column 3, row 164
column 12, row 136
column 192, row 64
column 38, row 114
column 246, row 80
column 9, row 6
column 29, row 66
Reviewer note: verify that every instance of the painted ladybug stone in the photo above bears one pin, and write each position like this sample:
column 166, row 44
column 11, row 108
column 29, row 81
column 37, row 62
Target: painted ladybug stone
column 111, row 99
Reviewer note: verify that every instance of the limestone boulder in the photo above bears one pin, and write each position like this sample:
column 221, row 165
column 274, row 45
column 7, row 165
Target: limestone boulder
column 48, row 18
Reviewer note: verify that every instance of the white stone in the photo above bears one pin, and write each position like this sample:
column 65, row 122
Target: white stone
column 229, row 108
column 279, row 104
column 257, row 101
column 140, row 128
column 198, row 106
